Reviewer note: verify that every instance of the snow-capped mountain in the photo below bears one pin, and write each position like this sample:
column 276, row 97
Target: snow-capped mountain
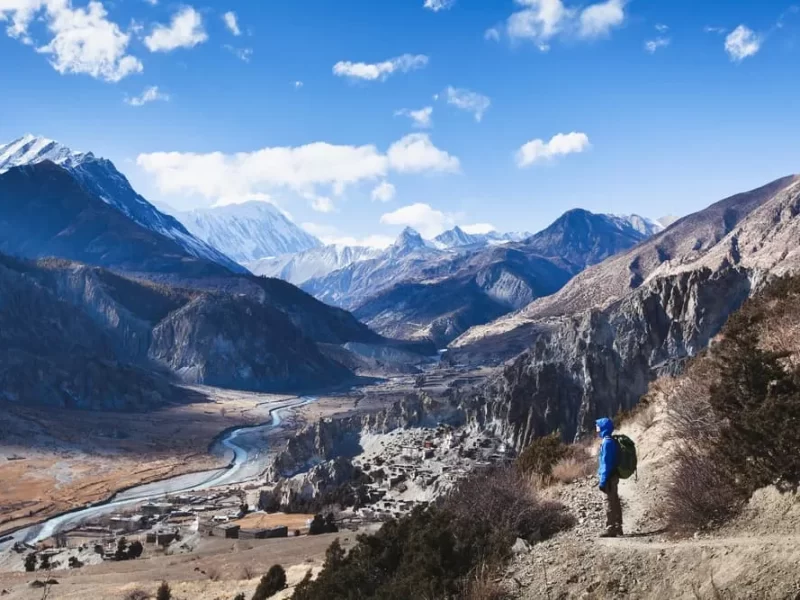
column 100, row 177
column 248, row 232
column 456, row 237
column 641, row 224
column 316, row 262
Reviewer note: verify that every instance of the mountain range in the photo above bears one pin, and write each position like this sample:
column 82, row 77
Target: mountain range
column 419, row 289
column 127, row 299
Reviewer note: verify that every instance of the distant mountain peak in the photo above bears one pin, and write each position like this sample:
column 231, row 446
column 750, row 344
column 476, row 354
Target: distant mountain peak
column 249, row 231
column 31, row 149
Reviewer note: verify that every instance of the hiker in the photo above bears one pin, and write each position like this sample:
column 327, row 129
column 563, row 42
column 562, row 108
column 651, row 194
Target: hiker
column 608, row 461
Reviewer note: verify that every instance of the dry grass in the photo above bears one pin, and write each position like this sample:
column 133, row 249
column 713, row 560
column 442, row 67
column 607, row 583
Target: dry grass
column 571, row 469
column 483, row 584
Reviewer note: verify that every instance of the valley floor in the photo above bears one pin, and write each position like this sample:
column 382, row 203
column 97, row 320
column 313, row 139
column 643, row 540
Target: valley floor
column 56, row 460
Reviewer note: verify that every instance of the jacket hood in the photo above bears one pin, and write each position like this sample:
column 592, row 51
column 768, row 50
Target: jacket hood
column 606, row 426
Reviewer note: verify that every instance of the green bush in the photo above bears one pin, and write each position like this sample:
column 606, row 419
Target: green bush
column 271, row 583
column 431, row 552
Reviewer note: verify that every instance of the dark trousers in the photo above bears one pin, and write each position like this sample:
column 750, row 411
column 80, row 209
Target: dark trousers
column 613, row 505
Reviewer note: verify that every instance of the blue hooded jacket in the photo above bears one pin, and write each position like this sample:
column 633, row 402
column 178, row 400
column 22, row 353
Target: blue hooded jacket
column 608, row 451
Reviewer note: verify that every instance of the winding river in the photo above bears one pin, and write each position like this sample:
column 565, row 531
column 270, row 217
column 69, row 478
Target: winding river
column 244, row 466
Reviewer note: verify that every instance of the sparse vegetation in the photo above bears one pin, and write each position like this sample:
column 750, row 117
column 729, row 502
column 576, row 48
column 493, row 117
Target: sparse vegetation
column 320, row 525
column 30, row 562
column 434, row 552
column 271, row 583
column 137, row 594
column 736, row 414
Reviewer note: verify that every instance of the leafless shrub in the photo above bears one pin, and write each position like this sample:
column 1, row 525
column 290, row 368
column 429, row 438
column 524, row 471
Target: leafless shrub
column 137, row 594
column 483, row 584
column 213, row 574
column 510, row 505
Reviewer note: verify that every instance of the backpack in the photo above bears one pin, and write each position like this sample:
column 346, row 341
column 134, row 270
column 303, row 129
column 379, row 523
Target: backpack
column 626, row 465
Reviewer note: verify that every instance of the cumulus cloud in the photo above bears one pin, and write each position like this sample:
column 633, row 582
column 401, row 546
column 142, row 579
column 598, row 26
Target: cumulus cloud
column 232, row 23
column 331, row 235
column 415, row 153
column 469, row 101
column 653, row 45
column 537, row 151
column 741, row 43
column 384, row 192
column 428, row 221
column 478, row 228
column 382, row 70
column 437, row 5
column 184, row 31
column 297, row 84
column 313, row 169
column 421, row 118
column 151, row 94
column 84, row 40
column 541, row 21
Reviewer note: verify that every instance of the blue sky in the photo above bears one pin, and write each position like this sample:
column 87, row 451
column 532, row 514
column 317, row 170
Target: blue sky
column 668, row 129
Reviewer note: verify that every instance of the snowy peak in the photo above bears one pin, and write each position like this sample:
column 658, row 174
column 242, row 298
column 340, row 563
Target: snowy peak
column 248, row 232
column 455, row 238
column 408, row 241
column 641, row 224
column 316, row 262
column 31, row 149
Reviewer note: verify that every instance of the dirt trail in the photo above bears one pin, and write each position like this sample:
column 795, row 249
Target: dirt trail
column 756, row 556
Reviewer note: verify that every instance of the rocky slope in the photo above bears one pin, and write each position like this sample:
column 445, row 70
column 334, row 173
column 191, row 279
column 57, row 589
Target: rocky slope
column 248, row 232
column 588, row 363
column 106, row 341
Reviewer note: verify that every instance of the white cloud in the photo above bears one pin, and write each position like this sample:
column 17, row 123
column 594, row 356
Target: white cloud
column 312, row 169
column 540, row 21
column 437, row 5
column 469, row 101
column 478, row 228
column 243, row 54
column 415, row 153
column 297, row 84
column 331, row 235
column 598, row 20
column 421, row 118
column 384, row 192
column 150, row 94
column 653, row 45
column 322, row 204
column 428, row 221
column 661, row 28
column 719, row 30
column 492, row 34
column 83, row 39
column 152, row 2
column 381, row 70
column 184, row 31
column 559, row 145
column 741, row 43
column 232, row 23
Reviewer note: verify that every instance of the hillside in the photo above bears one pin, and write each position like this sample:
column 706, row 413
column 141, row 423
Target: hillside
column 601, row 360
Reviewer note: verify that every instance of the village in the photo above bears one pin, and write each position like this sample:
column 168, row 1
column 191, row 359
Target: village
column 401, row 470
